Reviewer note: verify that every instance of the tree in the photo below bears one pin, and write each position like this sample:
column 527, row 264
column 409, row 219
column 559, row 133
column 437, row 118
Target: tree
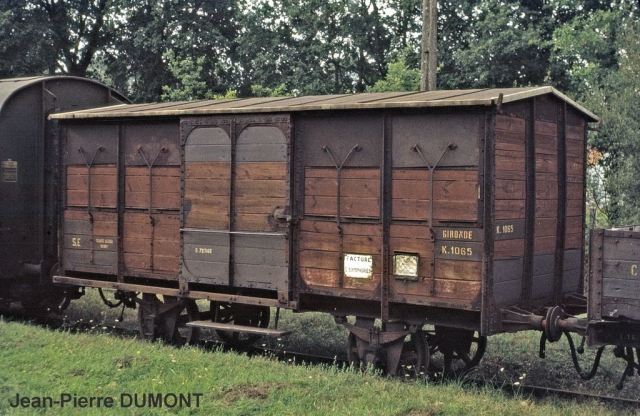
column 53, row 36
column 399, row 78
column 617, row 99
column 313, row 47
column 156, row 35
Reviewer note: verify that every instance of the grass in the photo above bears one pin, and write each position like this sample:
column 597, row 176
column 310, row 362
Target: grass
column 510, row 358
column 40, row 362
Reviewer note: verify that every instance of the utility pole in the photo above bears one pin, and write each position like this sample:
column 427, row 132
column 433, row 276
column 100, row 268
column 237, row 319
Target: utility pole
column 429, row 55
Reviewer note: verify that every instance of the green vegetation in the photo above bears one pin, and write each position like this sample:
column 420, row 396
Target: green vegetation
column 186, row 50
column 38, row 362
column 510, row 358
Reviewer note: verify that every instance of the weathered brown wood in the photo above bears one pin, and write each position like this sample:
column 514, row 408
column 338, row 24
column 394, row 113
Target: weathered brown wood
column 349, row 207
column 508, row 248
column 347, row 173
column 319, row 277
column 261, row 171
column 257, row 222
column 508, row 161
column 363, row 284
column 621, row 288
column 260, row 187
column 546, row 208
column 510, row 141
column 574, row 240
column 459, row 270
column 203, row 219
column 510, row 189
column 141, row 263
column 138, row 225
column 509, row 209
column 207, row 170
column 544, row 244
column 442, row 189
column 546, row 227
column 96, row 170
column 616, row 307
column 372, row 230
column 258, row 204
column 355, row 188
column 546, row 163
column 575, row 169
column 547, row 128
column 238, row 328
column 331, row 242
column 98, row 182
column 165, row 190
column 408, row 209
column 574, row 207
column 509, row 123
column 575, row 132
column 621, row 269
column 202, row 188
column 101, row 199
column 443, row 288
column 622, row 249
column 547, row 145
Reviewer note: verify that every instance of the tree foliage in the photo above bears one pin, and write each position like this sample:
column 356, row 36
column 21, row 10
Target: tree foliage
column 196, row 49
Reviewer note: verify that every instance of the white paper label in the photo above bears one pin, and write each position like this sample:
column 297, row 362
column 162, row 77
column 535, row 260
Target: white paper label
column 359, row 266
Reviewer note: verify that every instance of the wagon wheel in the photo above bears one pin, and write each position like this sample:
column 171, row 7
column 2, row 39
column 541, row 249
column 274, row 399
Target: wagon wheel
column 184, row 334
column 458, row 344
column 472, row 351
column 243, row 315
column 415, row 356
column 154, row 319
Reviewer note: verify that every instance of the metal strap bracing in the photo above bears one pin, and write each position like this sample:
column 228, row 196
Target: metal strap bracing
column 150, row 163
column 89, row 163
column 339, row 167
column 432, row 232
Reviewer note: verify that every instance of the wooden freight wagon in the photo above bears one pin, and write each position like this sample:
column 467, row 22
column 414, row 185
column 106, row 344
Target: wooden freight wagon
column 614, row 287
column 458, row 209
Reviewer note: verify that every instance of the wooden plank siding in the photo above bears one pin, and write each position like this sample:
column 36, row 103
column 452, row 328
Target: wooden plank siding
column 359, row 192
column 454, row 279
column 615, row 274
column 319, row 255
column 455, row 192
column 255, row 206
column 151, row 244
column 510, row 183
column 575, row 186
column 90, row 241
column 104, row 186
column 165, row 190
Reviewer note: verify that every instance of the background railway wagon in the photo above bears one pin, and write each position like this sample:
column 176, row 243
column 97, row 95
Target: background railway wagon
column 448, row 208
column 614, row 287
column 28, row 194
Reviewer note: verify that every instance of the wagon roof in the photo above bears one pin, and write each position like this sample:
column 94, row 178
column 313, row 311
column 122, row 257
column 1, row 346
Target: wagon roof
column 10, row 86
column 441, row 98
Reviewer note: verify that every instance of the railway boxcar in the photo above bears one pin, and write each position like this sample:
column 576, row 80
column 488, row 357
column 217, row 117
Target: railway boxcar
column 458, row 209
column 614, row 292
column 28, row 186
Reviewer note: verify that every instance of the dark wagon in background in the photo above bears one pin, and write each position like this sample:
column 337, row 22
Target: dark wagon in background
column 29, row 157
column 458, row 209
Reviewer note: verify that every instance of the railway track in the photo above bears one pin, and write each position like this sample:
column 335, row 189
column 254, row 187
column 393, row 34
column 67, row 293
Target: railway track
column 297, row 358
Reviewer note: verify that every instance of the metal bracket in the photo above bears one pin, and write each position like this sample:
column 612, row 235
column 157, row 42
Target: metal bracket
column 339, row 167
column 432, row 234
